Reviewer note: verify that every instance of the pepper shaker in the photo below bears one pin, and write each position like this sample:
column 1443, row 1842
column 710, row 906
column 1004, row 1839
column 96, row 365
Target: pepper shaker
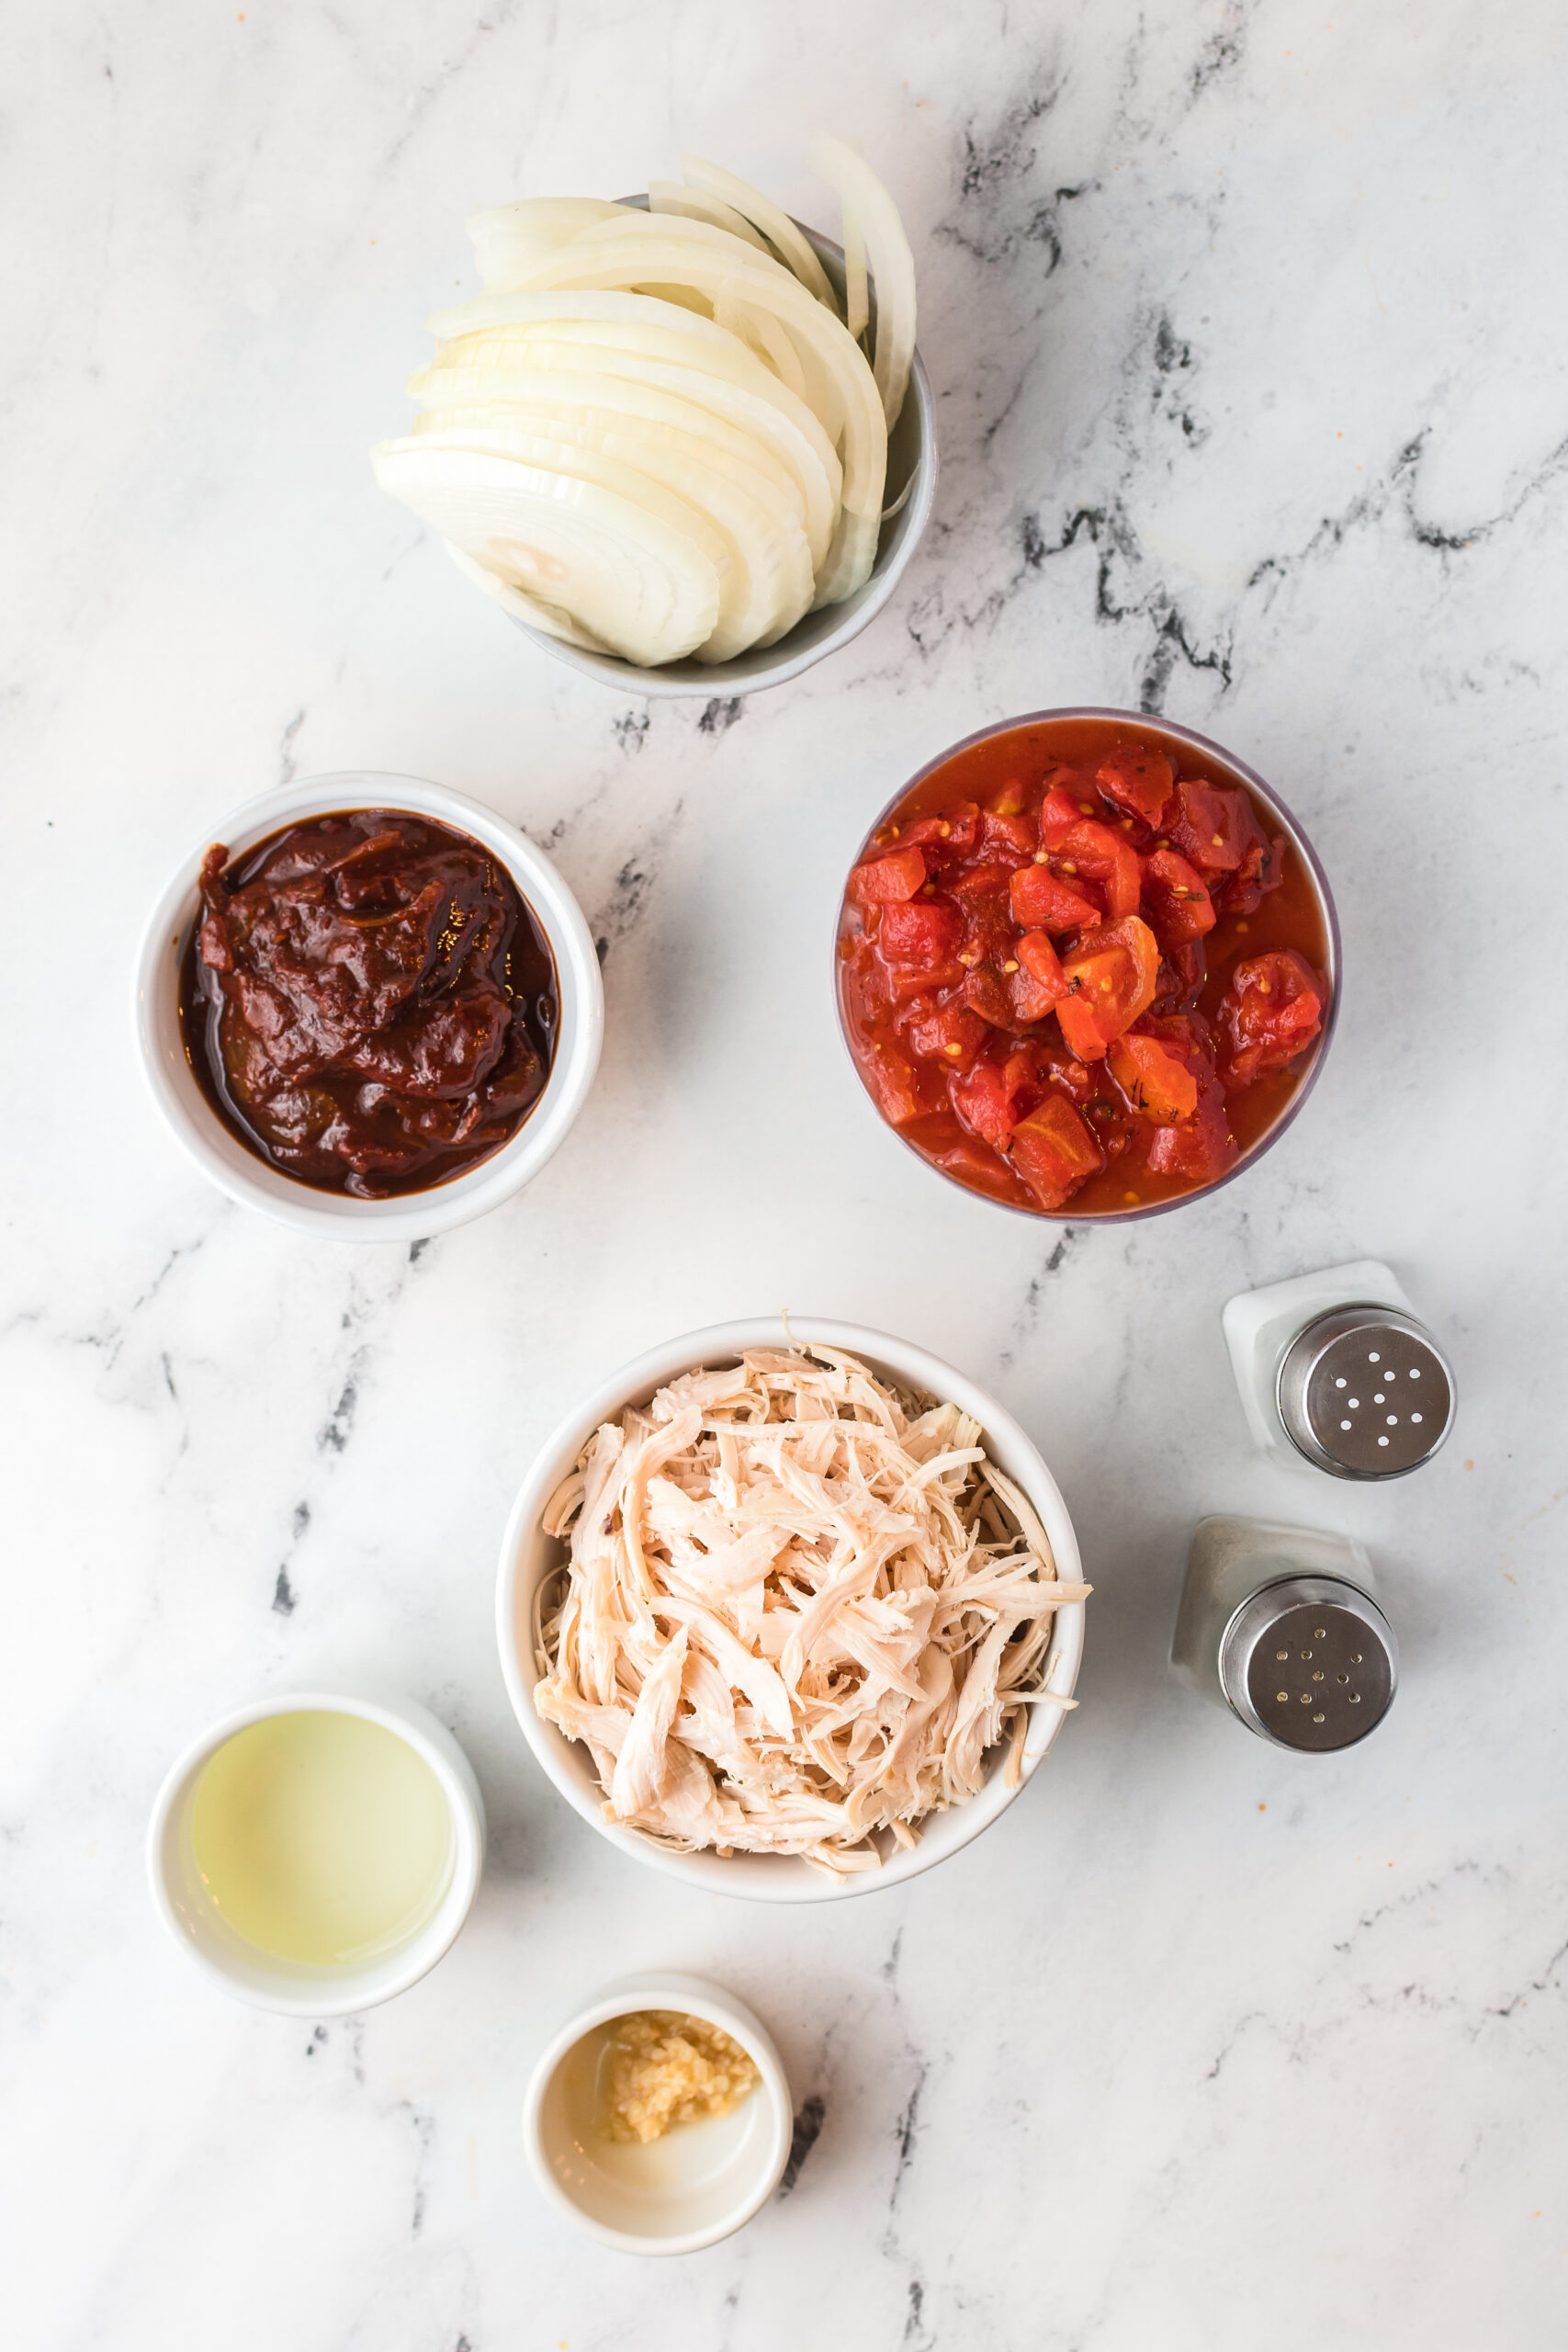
column 1281, row 1626
column 1335, row 1370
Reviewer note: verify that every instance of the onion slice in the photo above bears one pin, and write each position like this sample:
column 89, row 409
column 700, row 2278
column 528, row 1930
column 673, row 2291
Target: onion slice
column 892, row 263
column 763, row 213
column 531, row 610
column 765, row 566
column 857, row 295
column 510, row 235
column 630, row 253
column 691, row 204
column 646, row 586
column 782, row 423
column 762, row 334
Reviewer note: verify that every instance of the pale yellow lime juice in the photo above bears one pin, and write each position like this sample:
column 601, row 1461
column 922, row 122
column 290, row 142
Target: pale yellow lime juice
column 320, row 1838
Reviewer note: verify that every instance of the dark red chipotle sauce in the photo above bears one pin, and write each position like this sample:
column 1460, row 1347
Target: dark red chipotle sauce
column 1079, row 963
column 367, row 1001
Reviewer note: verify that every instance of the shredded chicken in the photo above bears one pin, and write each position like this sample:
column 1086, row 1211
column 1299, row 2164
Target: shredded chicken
column 799, row 1610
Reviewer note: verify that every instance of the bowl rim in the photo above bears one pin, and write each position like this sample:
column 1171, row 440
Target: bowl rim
column 242, row 1175
column 663, row 1989
column 717, row 681
column 333, row 1992
column 768, row 1878
column 1322, row 892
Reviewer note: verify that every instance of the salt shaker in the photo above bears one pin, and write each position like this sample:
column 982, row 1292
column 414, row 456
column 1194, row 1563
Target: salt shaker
column 1281, row 1624
column 1335, row 1370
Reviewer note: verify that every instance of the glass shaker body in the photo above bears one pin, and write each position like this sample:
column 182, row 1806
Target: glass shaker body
column 1281, row 1627
column 1336, row 1374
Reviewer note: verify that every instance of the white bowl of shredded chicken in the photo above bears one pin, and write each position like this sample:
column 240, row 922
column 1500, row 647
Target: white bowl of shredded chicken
column 792, row 1613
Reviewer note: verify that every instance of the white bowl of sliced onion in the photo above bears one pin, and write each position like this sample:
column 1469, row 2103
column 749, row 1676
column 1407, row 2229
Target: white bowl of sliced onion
column 790, row 1611
column 686, row 443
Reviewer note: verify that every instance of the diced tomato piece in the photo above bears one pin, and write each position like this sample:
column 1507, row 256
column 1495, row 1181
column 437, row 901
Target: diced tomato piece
column 1039, row 901
column 1262, row 869
column 906, row 981
column 883, row 880
column 1012, row 798
column 1177, row 906
column 1138, row 778
column 1039, row 980
column 1156, row 1081
column 973, row 1163
column 1214, row 826
column 985, row 1099
column 953, row 834
column 1080, row 1030
column 992, row 877
column 1182, row 972
column 1106, row 858
column 1199, row 1148
column 1270, row 1013
column 1040, row 960
column 1059, row 812
column 895, row 1083
column 1188, row 1035
column 953, row 1034
column 1030, row 1000
column 1110, row 979
column 919, row 931
column 1028, row 1072
column 1006, row 832
column 1053, row 1151
column 985, row 992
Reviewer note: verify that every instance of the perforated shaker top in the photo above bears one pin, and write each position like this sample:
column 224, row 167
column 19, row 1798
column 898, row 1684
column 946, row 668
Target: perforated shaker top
column 1365, row 1392
column 1310, row 1662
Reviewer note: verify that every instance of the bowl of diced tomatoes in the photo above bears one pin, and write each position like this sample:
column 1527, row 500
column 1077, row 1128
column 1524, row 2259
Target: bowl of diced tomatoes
column 1087, row 964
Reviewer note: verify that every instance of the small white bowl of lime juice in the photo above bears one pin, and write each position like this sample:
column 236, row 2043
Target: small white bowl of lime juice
column 318, row 1851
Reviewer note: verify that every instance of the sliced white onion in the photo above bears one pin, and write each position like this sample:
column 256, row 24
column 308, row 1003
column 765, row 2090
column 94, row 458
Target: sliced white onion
column 626, row 345
column 887, row 249
column 510, row 235
column 760, row 333
column 532, row 610
column 784, row 424
column 775, row 224
column 691, row 204
column 565, row 398
column 857, row 296
column 654, row 433
column 630, row 251
column 766, row 575
column 516, row 305
column 641, row 585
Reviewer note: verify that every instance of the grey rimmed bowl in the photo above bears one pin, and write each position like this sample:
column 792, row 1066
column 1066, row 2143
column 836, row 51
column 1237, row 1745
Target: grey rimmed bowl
column 911, row 468
column 1227, row 768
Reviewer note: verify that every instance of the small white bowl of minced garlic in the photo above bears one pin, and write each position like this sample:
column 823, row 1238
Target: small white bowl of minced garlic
column 659, row 2117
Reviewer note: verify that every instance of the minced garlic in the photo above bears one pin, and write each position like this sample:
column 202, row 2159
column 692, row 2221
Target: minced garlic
column 661, row 2069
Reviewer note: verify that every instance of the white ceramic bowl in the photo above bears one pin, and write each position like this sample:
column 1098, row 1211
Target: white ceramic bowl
column 528, row 1556
column 242, row 1173
column 231, row 1960
column 696, row 2185
column 911, row 465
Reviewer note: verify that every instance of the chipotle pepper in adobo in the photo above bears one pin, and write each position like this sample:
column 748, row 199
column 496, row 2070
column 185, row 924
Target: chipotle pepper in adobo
column 1079, row 963
column 368, row 1001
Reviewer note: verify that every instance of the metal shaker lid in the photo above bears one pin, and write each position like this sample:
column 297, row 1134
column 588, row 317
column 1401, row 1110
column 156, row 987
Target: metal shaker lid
column 1310, row 1662
column 1365, row 1392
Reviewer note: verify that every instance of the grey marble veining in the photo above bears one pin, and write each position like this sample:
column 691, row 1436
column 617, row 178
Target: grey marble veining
column 1246, row 326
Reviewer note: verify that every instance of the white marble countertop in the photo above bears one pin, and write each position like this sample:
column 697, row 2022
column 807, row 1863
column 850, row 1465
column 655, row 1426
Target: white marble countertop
column 1247, row 327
